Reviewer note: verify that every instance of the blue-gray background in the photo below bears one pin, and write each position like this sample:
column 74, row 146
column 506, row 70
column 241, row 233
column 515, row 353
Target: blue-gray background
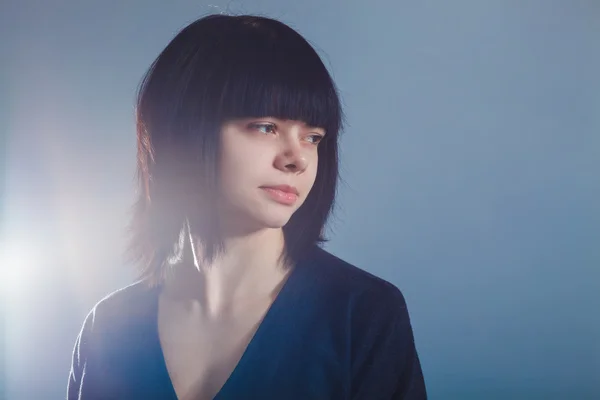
column 471, row 167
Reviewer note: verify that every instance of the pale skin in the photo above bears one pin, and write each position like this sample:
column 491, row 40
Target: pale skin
column 208, row 313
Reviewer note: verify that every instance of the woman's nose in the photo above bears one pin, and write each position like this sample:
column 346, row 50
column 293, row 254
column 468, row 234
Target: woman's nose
column 292, row 159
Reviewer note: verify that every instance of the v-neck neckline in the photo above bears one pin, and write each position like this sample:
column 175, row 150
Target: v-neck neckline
column 280, row 299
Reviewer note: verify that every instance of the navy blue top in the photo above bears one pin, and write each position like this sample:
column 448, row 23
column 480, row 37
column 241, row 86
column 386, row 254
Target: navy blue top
column 333, row 332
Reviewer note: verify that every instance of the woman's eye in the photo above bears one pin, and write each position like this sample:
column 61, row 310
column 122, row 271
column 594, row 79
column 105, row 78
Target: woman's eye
column 264, row 128
column 316, row 139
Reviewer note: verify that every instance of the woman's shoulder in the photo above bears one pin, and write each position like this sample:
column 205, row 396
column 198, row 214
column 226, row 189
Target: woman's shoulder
column 114, row 329
column 375, row 307
column 373, row 314
column 343, row 278
column 122, row 308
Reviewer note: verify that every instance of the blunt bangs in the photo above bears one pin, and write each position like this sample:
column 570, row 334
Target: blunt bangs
column 278, row 77
column 255, row 68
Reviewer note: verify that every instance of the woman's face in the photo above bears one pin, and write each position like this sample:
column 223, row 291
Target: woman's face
column 257, row 153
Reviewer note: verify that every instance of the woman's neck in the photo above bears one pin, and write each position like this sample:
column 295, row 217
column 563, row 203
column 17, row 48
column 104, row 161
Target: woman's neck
column 247, row 271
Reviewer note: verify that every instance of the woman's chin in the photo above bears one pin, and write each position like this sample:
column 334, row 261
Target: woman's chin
column 256, row 222
column 274, row 221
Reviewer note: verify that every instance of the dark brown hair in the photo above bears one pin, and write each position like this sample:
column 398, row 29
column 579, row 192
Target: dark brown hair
column 216, row 69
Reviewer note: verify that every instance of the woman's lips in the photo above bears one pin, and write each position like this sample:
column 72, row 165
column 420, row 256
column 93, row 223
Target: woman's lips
column 281, row 196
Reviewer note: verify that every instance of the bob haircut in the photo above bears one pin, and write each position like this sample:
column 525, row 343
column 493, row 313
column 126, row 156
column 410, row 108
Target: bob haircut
column 220, row 68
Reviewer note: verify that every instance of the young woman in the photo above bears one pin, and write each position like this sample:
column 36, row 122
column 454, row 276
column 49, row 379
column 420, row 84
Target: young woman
column 237, row 126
